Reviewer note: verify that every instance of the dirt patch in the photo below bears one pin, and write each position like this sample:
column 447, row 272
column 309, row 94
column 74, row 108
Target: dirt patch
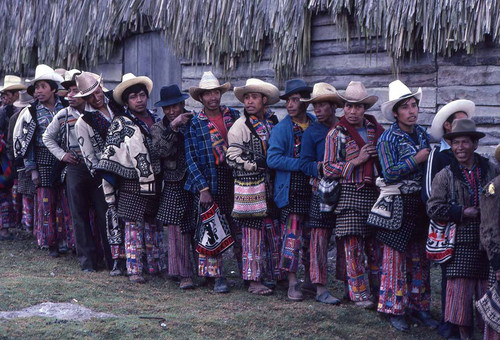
column 62, row 311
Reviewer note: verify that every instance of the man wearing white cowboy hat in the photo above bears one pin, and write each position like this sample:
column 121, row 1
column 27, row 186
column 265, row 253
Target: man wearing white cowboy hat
column 38, row 161
column 441, row 156
column 325, row 101
column 248, row 141
column 176, row 204
column 292, row 191
column 62, row 141
column 403, row 149
column 129, row 166
column 351, row 157
column 209, row 176
column 9, row 93
column 91, row 129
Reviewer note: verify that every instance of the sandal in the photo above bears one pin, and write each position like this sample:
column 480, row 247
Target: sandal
column 137, row 279
column 260, row 290
column 294, row 293
column 328, row 298
column 186, row 283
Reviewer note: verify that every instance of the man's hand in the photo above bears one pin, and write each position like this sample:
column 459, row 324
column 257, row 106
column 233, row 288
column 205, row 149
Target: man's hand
column 471, row 212
column 422, row 156
column 181, row 120
column 366, row 152
column 70, row 158
column 35, row 177
column 206, row 199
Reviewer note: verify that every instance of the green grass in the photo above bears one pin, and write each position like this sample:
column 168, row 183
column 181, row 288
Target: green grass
column 28, row 277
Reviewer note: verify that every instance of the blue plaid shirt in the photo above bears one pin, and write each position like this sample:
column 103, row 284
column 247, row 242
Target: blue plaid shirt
column 396, row 151
column 200, row 159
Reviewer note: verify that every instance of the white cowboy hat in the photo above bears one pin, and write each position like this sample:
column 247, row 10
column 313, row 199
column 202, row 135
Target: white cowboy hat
column 12, row 83
column 208, row 82
column 69, row 77
column 256, row 85
column 397, row 92
column 324, row 92
column 356, row 93
column 128, row 80
column 44, row 72
column 24, row 100
column 460, row 105
column 87, row 83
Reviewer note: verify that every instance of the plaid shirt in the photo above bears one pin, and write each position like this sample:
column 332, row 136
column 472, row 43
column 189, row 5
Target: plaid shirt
column 397, row 150
column 202, row 172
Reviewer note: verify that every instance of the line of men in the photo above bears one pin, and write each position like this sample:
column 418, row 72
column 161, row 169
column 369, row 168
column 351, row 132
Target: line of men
column 126, row 173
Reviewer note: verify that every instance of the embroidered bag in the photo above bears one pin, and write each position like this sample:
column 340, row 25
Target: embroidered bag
column 249, row 197
column 214, row 235
column 489, row 307
column 329, row 194
column 441, row 237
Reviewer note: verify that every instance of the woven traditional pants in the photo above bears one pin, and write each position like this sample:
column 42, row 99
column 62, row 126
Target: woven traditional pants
column 405, row 280
column 6, row 211
column 179, row 263
column 357, row 250
column 142, row 239
column 117, row 251
column 210, row 266
column 461, row 293
column 292, row 236
column 28, row 211
column 259, row 244
column 63, row 219
column 320, row 238
column 490, row 333
column 340, row 266
column 47, row 217
column 17, row 203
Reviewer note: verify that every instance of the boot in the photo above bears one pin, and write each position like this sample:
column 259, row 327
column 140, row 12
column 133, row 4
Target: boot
column 117, row 268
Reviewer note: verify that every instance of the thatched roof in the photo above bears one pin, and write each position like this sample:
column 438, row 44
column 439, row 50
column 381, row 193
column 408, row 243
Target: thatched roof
column 75, row 32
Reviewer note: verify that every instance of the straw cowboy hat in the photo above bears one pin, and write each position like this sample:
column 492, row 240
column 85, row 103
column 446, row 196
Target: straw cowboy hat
column 460, row 105
column 463, row 127
column 208, row 82
column 170, row 95
column 12, row 83
column 356, row 93
column 87, row 83
column 254, row 85
column 293, row 86
column 324, row 92
column 397, row 92
column 44, row 72
column 128, row 80
column 24, row 100
column 69, row 78
column 497, row 153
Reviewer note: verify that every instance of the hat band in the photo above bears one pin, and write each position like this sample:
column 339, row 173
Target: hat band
column 90, row 88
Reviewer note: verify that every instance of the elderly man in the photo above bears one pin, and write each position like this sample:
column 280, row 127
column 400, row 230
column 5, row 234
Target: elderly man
column 91, row 129
column 176, row 204
column 209, row 176
column 131, row 169
column 292, row 191
column 455, row 198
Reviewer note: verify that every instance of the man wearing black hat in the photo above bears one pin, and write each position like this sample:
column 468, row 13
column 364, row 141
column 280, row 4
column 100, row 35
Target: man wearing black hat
column 292, row 191
column 176, row 204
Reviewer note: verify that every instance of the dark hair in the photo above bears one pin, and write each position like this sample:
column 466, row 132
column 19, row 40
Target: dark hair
column 12, row 92
column 53, row 85
column 136, row 88
column 452, row 117
column 403, row 101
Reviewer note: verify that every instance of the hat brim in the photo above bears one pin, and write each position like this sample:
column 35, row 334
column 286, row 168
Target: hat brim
column 21, row 104
column 195, row 91
column 81, row 94
column 285, row 96
column 497, row 153
column 49, row 76
column 369, row 101
column 118, row 91
column 270, row 91
column 460, row 105
column 16, row 87
column 68, row 83
column 332, row 98
column 475, row 134
column 163, row 103
column 386, row 107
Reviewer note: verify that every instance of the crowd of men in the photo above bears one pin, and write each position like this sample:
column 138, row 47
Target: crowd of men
column 96, row 171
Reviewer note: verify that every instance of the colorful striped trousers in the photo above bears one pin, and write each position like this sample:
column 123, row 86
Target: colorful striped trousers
column 28, row 212
column 320, row 238
column 179, row 244
column 143, row 239
column 6, row 211
column 490, row 333
column 363, row 261
column 405, row 280
column 210, row 266
column 294, row 237
column 53, row 222
column 461, row 293
column 17, row 203
column 258, row 245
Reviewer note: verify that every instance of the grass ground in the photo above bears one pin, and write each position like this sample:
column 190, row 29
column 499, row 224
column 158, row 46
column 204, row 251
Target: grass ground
column 28, row 277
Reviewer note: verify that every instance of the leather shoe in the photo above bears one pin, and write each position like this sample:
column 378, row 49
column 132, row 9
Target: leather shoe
column 425, row 318
column 220, row 285
column 399, row 322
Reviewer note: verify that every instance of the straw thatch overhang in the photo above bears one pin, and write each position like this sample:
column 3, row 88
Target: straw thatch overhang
column 79, row 32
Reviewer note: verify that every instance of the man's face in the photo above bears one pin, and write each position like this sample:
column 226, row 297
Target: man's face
column 173, row 111
column 8, row 98
column 137, row 101
column 211, row 99
column 254, row 102
column 407, row 113
column 74, row 101
column 354, row 113
column 457, row 115
column 96, row 98
column 463, row 148
column 294, row 106
column 324, row 111
column 43, row 92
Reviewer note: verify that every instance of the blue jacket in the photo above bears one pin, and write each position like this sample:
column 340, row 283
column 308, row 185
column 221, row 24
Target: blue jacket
column 312, row 150
column 280, row 157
